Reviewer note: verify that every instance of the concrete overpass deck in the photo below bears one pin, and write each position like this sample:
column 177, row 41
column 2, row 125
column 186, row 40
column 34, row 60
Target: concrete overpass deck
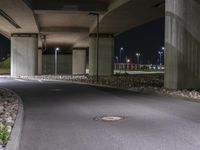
column 67, row 22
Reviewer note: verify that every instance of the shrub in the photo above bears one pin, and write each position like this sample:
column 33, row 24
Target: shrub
column 4, row 134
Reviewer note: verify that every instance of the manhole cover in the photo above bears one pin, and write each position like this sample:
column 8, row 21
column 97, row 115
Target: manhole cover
column 110, row 118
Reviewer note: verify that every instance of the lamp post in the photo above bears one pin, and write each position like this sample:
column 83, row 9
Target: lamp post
column 138, row 59
column 116, row 62
column 127, row 63
column 164, row 52
column 117, row 59
column 160, row 53
column 56, row 60
column 128, row 60
column 121, row 49
column 97, row 48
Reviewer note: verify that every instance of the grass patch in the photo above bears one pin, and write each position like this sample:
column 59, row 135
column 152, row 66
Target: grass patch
column 5, row 64
column 4, row 134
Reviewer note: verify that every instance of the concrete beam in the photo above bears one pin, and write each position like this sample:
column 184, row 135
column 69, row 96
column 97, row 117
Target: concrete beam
column 18, row 12
column 7, row 35
column 70, row 5
column 64, row 29
column 116, row 4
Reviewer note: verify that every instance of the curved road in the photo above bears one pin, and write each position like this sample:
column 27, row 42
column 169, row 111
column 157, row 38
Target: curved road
column 59, row 116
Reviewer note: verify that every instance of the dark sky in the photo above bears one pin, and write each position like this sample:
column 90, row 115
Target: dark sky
column 146, row 39
column 4, row 46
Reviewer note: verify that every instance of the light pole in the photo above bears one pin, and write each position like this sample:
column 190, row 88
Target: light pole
column 117, row 59
column 97, row 35
column 121, row 49
column 128, row 60
column 56, row 60
column 127, row 63
column 138, row 59
column 160, row 53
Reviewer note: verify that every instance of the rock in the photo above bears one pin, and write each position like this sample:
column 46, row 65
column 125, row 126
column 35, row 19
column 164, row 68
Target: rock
column 9, row 128
column 5, row 103
column 9, row 120
column 1, row 143
column 1, row 109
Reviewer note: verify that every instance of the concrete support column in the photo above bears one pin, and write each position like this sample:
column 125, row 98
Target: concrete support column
column 24, row 54
column 106, row 52
column 182, row 43
column 79, row 61
column 39, row 61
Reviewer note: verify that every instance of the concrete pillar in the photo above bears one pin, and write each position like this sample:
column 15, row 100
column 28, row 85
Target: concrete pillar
column 79, row 61
column 24, row 53
column 182, row 43
column 39, row 61
column 106, row 52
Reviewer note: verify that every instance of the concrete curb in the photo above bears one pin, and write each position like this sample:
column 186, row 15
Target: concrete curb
column 15, row 137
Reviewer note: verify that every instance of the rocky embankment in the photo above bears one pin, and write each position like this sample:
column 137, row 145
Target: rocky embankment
column 8, row 113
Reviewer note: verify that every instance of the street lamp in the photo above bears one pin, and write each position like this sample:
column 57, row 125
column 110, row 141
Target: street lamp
column 128, row 60
column 160, row 53
column 138, row 59
column 117, row 59
column 97, row 54
column 56, row 60
column 121, row 49
column 127, row 63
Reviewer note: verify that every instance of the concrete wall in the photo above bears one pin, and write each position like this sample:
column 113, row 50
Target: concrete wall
column 79, row 61
column 106, row 54
column 24, row 56
column 182, row 42
column 64, row 64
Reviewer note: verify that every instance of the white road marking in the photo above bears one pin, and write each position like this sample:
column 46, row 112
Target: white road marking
column 20, row 80
column 40, row 81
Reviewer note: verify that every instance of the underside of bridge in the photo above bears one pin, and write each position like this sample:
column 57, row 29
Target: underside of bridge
column 36, row 24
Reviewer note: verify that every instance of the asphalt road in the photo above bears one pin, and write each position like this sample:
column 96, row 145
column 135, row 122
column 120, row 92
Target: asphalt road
column 59, row 116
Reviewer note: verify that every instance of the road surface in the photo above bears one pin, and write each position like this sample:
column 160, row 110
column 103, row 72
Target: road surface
column 60, row 116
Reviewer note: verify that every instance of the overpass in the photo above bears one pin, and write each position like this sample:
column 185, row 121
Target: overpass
column 34, row 25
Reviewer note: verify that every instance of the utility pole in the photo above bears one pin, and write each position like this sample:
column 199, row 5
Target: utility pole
column 138, row 59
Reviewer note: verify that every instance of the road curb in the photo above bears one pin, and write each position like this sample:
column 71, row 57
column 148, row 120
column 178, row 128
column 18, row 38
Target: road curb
column 15, row 137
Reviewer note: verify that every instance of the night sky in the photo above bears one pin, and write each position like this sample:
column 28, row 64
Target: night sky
column 4, row 46
column 146, row 39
